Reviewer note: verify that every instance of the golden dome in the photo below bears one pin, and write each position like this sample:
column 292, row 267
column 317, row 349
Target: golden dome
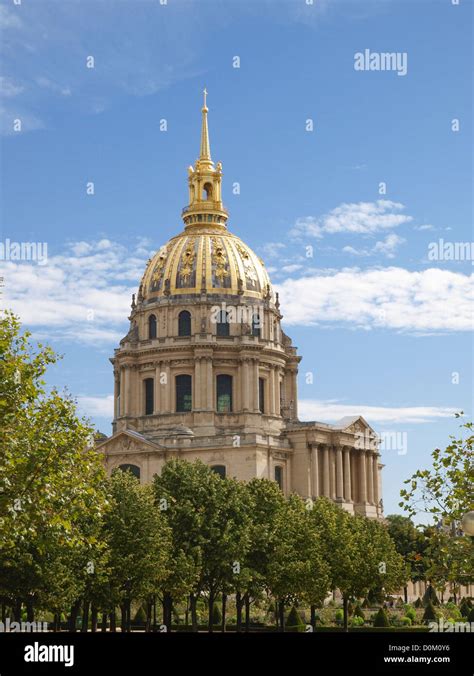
column 206, row 260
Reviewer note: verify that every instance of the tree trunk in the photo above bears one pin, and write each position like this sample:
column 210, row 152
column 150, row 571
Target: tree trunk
column 224, row 608
column 247, row 612
column 167, row 610
column 193, row 605
column 239, row 602
column 210, row 611
column 4, row 613
column 94, row 617
column 73, row 615
column 281, row 615
column 103, row 626
column 128, row 615
column 313, row 617
column 113, row 620
column 154, row 612
column 186, row 615
column 405, row 593
column 345, row 601
column 123, row 617
column 30, row 613
column 85, row 616
column 17, row 610
column 149, row 605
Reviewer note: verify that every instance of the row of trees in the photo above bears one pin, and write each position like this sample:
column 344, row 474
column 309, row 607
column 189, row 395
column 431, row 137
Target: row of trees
column 74, row 541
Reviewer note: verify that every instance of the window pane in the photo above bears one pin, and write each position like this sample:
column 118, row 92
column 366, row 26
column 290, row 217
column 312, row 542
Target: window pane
column 184, row 400
column 149, row 404
column 152, row 326
column 224, row 394
column 219, row 469
column 279, row 476
column 184, row 323
column 131, row 468
column 261, row 394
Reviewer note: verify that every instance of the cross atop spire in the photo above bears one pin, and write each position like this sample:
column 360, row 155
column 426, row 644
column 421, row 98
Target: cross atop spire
column 205, row 153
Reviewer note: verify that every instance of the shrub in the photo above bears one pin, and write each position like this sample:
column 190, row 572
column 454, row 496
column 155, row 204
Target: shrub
column 339, row 617
column 418, row 603
column 407, row 621
column 357, row 621
column 410, row 612
column 350, row 609
column 140, row 616
column 430, row 596
column 365, row 603
column 216, row 614
column 294, row 621
column 381, row 618
column 358, row 612
column 470, row 617
column 430, row 613
column 464, row 608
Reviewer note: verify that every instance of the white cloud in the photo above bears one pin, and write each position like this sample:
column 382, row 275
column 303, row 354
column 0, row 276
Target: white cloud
column 363, row 218
column 9, row 19
column 389, row 245
column 96, row 407
column 331, row 411
column 81, row 295
column 46, row 83
column 432, row 300
column 426, row 226
column 8, row 88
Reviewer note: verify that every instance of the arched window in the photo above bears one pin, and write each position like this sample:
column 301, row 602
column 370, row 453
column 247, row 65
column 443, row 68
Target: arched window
column 256, row 325
column 152, row 326
column 131, row 468
column 222, row 326
column 184, row 397
column 279, row 475
column 148, row 384
column 184, row 323
column 219, row 469
column 208, row 190
column 261, row 395
column 224, row 393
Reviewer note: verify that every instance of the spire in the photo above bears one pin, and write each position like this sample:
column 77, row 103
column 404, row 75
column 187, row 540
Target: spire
column 205, row 153
column 204, row 182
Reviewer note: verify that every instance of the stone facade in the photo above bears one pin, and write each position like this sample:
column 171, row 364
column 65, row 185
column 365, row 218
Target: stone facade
column 206, row 371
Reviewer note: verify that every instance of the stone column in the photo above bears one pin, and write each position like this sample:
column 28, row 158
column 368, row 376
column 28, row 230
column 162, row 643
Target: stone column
column 375, row 460
column 362, row 477
column 370, row 479
column 347, row 474
column 288, row 475
column 126, row 389
column 326, row 483
column 167, row 387
column 211, row 404
column 271, row 391
column 332, row 472
column 158, row 388
column 197, row 383
column 245, row 385
column 255, row 385
column 315, row 470
column 116, row 395
column 339, row 480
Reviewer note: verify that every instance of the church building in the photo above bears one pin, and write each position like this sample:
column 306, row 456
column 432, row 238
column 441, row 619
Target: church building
column 206, row 371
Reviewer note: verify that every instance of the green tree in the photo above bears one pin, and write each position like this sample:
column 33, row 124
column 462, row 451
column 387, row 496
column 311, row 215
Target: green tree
column 139, row 540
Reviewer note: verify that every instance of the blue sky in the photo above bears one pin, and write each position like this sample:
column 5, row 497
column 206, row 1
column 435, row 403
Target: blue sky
column 382, row 326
